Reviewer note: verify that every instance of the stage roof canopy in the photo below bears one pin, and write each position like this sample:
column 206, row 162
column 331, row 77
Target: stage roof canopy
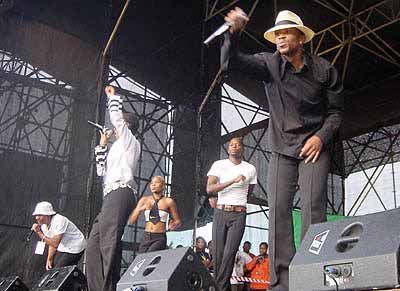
column 160, row 44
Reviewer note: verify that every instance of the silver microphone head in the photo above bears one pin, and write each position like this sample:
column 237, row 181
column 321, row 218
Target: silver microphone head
column 97, row 126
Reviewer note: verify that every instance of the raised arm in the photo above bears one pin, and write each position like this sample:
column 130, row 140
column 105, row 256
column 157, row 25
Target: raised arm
column 114, row 107
column 253, row 65
column 116, row 117
column 175, row 221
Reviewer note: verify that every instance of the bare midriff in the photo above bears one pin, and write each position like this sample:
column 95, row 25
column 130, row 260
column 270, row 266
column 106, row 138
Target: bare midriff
column 159, row 227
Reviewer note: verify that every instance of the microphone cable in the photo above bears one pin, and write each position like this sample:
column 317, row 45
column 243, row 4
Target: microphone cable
column 330, row 273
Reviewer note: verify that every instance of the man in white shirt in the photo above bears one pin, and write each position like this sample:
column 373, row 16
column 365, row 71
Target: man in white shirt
column 66, row 242
column 117, row 164
column 241, row 260
column 233, row 179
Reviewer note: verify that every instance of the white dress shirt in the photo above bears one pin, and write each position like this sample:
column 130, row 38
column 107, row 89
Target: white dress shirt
column 118, row 164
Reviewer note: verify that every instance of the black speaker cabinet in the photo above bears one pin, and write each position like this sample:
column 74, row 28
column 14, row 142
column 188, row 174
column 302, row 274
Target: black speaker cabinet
column 12, row 284
column 358, row 253
column 168, row 270
column 68, row 278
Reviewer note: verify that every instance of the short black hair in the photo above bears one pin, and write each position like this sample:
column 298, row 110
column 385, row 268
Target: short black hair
column 240, row 138
column 247, row 242
column 264, row 243
column 201, row 238
column 132, row 120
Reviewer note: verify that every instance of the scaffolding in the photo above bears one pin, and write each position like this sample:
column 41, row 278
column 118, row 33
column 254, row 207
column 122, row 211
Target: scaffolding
column 37, row 111
column 35, row 106
column 36, row 116
column 335, row 42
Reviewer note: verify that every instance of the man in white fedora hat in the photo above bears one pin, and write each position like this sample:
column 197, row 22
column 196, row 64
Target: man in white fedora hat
column 66, row 242
column 305, row 106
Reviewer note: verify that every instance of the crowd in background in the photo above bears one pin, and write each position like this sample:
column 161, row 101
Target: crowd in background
column 247, row 264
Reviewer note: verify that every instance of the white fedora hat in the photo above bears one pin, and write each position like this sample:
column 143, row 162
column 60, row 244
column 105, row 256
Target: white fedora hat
column 43, row 208
column 288, row 19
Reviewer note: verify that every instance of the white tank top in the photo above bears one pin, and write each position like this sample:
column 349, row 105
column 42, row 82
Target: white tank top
column 163, row 215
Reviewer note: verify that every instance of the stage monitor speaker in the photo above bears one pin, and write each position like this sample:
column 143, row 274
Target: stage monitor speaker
column 12, row 284
column 168, row 270
column 68, row 278
column 357, row 253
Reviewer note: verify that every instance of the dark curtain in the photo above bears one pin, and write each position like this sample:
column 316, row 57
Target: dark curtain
column 48, row 84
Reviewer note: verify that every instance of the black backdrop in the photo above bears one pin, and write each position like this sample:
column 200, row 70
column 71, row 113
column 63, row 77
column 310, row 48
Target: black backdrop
column 48, row 83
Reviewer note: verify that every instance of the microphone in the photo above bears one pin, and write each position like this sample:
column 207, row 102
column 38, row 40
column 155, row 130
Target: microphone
column 97, row 126
column 28, row 238
column 223, row 28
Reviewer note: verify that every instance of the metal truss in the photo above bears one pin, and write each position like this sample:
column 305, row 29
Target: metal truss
column 247, row 114
column 357, row 29
column 36, row 119
column 377, row 150
column 35, row 116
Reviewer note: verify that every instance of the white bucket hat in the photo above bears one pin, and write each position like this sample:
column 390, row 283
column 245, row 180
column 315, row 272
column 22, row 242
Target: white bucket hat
column 43, row 208
column 288, row 19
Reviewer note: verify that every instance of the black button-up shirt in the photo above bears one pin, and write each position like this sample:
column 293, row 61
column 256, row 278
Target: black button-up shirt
column 301, row 103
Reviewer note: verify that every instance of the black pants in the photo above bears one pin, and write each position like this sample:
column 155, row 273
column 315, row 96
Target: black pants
column 285, row 176
column 227, row 232
column 66, row 259
column 104, row 248
column 153, row 242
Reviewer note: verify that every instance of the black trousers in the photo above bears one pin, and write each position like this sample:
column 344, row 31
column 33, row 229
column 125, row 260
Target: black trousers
column 66, row 259
column 153, row 242
column 227, row 232
column 286, row 175
column 104, row 248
